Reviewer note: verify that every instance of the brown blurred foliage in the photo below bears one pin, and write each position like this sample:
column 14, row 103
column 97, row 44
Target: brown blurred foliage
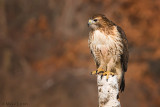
column 45, row 60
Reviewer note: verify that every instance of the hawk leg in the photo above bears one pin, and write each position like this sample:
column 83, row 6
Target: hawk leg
column 107, row 73
column 99, row 70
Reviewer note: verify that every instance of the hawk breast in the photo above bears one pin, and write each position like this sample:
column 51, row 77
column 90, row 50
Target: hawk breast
column 108, row 43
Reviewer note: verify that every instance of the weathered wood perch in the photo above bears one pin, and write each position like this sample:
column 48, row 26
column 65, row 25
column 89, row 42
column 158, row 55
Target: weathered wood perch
column 108, row 91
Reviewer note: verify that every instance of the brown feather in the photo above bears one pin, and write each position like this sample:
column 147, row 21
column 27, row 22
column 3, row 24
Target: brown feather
column 125, row 55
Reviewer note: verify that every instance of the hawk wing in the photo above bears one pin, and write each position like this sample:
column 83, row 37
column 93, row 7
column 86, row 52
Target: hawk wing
column 125, row 55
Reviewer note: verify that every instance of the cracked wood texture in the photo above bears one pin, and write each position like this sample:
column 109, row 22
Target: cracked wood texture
column 108, row 91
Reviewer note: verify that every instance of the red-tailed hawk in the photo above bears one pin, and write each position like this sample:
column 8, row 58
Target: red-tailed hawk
column 109, row 47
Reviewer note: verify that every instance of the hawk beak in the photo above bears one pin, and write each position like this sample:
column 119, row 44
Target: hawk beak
column 90, row 22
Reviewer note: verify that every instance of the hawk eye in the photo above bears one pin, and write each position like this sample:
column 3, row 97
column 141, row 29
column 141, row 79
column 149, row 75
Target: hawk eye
column 95, row 20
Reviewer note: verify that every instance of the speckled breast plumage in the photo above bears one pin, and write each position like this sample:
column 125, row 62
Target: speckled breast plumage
column 103, row 46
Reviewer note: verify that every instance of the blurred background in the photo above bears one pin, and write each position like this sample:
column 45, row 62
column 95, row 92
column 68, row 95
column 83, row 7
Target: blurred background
column 46, row 62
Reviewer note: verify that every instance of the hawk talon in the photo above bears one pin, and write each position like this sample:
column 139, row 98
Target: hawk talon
column 101, row 76
column 94, row 72
column 107, row 73
column 98, row 71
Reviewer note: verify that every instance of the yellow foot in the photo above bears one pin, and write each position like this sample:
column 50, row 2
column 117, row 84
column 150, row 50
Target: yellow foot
column 107, row 73
column 99, row 70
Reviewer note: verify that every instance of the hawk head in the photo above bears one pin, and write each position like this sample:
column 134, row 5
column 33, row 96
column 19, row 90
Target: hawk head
column 99, row 21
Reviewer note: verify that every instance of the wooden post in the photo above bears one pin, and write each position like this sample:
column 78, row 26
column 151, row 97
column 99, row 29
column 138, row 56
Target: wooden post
column 108, row 91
